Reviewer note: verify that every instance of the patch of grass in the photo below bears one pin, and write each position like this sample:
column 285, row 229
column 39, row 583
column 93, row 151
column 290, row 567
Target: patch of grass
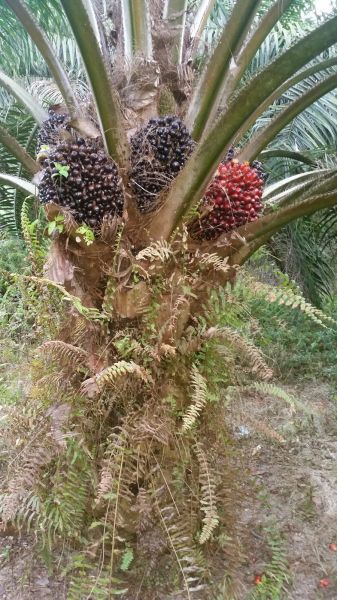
column 298, row 348
column 270, row 585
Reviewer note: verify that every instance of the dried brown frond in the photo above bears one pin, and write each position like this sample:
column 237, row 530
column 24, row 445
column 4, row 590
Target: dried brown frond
column 167, row 350
column 67, row 353
column 293, row 300
column 264, row 428
column 177, row 309
column 213, row 261
column 199, row 399
column 189, row 345
column 158, row 251
column 144, row 509
column 112, row 468
column 32, row 460
column 208, row 486
column 93, row 386
column 246, row 348
column 177, row 530
column 151, row 425
column 58, row 415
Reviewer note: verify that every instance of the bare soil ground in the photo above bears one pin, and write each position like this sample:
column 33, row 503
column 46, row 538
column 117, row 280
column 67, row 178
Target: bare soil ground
column 295, row 489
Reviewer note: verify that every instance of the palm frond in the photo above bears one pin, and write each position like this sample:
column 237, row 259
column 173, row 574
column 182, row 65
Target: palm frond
column 42, row 42
column 22, row 127
column 299, row 253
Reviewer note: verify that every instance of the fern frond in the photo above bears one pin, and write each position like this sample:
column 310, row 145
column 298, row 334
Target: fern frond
column 79, row 330
column 93, row 386
column 199, row 399
column 288, row 297
column 112, row 486
column 119, row 475
column 65, row 508
column 144, row 508
column 151, row 426
column 158, row 251
column 276, row 573
column 35, row 458
column 90, row 313
column 264, row 428
column 167, row 350
column 113, row 456
column 64, row 352
column 127, row 346
column 44, row 445
column 208, row 495
column 29, row 232
column 189, row 345
column 246, row 348
column 90, row 581
column 58, row 416
column 213, row 261
column 274, row 390
column 127, row 559
column 109, row 294
column 181, row 542
column 176, row 311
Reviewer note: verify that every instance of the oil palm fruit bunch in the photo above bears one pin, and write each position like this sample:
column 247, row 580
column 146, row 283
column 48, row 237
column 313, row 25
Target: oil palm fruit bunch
column 257, row 165
column 50, row 128
column 159, row 150
column 232, row 199
column 79, row 176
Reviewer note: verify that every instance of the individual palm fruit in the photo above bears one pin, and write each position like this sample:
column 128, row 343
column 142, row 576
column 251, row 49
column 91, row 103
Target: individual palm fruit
column 159, row 150
column 48, row 133
column 257, row 165
column 230, row 155
column 233, row 198
column 79, row 176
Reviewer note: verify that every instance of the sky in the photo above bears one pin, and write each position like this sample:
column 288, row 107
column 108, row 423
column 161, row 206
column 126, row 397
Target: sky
column 323, row 5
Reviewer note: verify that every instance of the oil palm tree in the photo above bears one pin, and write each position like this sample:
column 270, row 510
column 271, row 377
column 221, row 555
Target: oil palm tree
column 150, row 218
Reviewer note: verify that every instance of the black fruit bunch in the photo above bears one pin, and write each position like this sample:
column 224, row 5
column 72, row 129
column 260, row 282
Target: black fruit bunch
column 48, row 133
column 79, row 176
column 158, row 151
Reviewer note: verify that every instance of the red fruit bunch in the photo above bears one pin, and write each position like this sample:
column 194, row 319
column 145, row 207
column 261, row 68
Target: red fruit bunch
column 233, row 198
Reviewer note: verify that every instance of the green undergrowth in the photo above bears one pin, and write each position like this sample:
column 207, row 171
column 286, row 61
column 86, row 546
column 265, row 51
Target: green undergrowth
column 275, row 577
column 19, row 330
column 296, row 347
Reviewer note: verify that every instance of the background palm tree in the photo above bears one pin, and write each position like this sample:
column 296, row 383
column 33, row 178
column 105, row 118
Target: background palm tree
column 126, row 388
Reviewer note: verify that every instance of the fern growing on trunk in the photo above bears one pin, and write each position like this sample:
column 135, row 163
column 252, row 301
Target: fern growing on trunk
column 121, row 447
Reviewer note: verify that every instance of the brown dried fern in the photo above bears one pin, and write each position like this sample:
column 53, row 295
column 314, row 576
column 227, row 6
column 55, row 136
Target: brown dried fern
column 94, row 385
column 180, row 539
column 20, row 487
column 247, row 349
column 199, row 399
column 65, row 352
column 158, row 251
column 265, row 429
column 213, row 261
column 208, row 485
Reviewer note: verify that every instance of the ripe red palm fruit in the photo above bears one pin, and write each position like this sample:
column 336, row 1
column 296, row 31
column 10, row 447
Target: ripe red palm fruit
column 232, row 199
